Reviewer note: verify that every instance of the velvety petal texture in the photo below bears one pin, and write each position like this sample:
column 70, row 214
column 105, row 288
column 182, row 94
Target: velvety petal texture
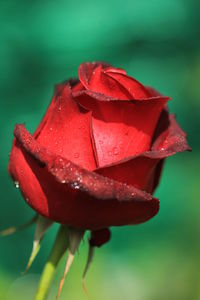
column 64, row 192
column 96, row 157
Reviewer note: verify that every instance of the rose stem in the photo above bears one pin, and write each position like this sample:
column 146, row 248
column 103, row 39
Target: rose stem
column 60, row 246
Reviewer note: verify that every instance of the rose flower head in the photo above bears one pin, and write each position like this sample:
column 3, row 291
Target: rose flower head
column 96, row 158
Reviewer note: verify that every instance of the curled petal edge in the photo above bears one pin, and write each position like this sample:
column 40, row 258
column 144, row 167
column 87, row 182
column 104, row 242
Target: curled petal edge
column 178, row 145
column 91, row 183
column 104, row 98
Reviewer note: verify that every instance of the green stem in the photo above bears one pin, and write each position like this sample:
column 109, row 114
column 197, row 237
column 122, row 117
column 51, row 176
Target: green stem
column 60, row 246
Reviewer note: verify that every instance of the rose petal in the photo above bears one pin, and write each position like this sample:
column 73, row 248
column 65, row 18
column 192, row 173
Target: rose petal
column 137, row 171
column 111, row 82
column 143, row 170
column 172, row 140
column 99, row 81
column 67, row 129
column 134, row 87
column 156, row 178
column 122, row 129
column 64, row 192
column 45, row 118
column 80, row 93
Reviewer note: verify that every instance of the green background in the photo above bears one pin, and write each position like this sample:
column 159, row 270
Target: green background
column 157, row 42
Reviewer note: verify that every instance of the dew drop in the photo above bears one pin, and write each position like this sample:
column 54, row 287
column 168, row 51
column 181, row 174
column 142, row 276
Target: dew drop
column 75, row 185
column 51, row 129
column 59, row 108
column 16, row 183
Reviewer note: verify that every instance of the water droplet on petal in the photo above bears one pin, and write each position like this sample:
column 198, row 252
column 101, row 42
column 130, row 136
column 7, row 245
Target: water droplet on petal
column 51, row 129
column 16, row 183
column 75, row 185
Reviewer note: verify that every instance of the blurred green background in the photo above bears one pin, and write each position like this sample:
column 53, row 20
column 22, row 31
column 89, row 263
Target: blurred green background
column 157, row 42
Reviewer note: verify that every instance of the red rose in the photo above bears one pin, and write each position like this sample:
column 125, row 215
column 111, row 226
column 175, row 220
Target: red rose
column 96, row 157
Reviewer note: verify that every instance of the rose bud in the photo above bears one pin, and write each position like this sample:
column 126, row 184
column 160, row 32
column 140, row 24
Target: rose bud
column 96, row 158
column 94, row 161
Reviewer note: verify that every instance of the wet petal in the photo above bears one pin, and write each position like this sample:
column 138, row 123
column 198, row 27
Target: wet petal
column 122, row 129
column 111, row 82
column 143, row 170
column 66, row 130
column 64, row 192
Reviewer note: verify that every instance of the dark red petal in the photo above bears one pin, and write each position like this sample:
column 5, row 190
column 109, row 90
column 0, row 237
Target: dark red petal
column 163, row 125
column 67, row 130
column 157, row 175
column 58, row 90
column 111, row 82
column 81, row 94
column 45, row 118
column 99, row 81
column 143, row 170
column 134, row 87
column 122, row 129
column 64, row 192
column 78, row 87
column 100, row 237
column 86, row 70
column 136, row 171
column 171, row 140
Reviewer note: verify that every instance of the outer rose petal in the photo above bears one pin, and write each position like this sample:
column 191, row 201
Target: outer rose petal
column 64, row 192
column 137, row 171
column 66, row 130
column 121, row 129
column 143, row 171
column 111, row 82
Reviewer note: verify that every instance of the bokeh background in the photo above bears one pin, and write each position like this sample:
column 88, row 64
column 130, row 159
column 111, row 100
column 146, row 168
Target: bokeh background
column 157, row 42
